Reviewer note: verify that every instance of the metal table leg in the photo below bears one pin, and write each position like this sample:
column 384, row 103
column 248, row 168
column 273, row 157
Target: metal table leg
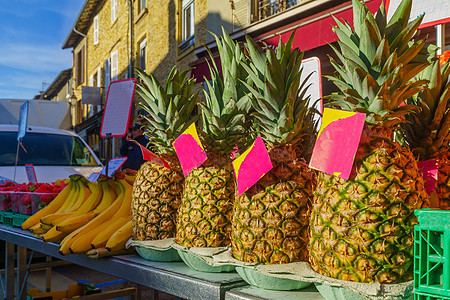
column 9, row 274
column 48, row 273
column 22, row 270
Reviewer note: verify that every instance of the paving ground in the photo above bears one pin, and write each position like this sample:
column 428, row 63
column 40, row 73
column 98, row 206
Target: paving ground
column 63, row 276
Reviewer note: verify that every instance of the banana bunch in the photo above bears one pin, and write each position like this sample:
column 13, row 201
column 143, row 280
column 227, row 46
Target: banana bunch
column 87, row 216
column 110, row 229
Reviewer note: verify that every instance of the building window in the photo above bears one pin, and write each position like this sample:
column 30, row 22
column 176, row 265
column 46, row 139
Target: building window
column 114, row 65
column 142, row 5
column 142, row 54
column 113, row 10
column 95, row 30
column 187, row 25
column 79, row 66
column 263, row 9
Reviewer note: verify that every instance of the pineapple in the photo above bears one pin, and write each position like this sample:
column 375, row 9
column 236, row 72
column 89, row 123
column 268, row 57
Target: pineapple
column 206, row 208
column 270, row 223
column 362, row 228
column 157, row 190
column 428, row 132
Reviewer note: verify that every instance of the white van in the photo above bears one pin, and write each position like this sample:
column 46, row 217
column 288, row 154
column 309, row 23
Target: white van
column 55, row 154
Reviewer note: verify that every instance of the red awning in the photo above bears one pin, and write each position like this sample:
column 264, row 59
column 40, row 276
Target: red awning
column 312, row 32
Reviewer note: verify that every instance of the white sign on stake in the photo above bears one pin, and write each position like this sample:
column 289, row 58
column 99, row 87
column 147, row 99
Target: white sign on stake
column 118, row 108
column 312, row 66
column 436, row 11
column 31, row 173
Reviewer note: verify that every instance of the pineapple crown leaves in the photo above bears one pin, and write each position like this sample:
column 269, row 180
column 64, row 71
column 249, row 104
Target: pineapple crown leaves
column 278, row 95
column 226, row 102
column 428, row 131
column 379, row 59
column 168, row 109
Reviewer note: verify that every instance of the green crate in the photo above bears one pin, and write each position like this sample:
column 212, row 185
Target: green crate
column 8, row 219
column 19, row 219
column 12, row 219
column 424, row 296
column 432, row 253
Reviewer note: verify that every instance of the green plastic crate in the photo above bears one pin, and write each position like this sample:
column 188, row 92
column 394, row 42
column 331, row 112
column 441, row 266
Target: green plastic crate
column 7, row 218
column 12, row 219
column 432, row 253
column 19, row 219
column 423, row 296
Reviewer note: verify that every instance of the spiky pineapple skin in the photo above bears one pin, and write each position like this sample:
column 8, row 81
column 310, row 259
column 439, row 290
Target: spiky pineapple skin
column 444, row 180
column 362, row 228
column 204, row 218
column 157, row 193
column 270, row 222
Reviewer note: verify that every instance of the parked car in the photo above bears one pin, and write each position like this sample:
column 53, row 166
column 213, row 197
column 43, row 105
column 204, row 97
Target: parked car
column 55, row 154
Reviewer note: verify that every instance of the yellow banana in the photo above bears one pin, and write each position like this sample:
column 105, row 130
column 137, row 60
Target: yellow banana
column 92, row 201
column 49, row 219
column 50, row 208
column 130, row 178
column 36, row 227
column 118, row 240
column 95, row 223
column 109, row 228
column 38, row 231
column 82, row 243
column 89, row 204
column 83, row 195
column 103, row 252
column 109, row 196
column 72, row 197
column 45, row 226
column 125, row 208
column 54, row 235
column 74, row 223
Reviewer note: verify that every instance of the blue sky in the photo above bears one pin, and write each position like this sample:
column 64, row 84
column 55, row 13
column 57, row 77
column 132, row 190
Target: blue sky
column 31, row 36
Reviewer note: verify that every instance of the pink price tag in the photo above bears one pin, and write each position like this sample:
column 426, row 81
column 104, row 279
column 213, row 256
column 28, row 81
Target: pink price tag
column 429, row 170
column 151, row 157
column 252, row 165
column 189, row 150
column 337, row 142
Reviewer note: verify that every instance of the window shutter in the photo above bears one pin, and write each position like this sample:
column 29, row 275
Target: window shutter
column 95, row 30
column 99, row 76
column 240, row 14
column 76, row 71
column 113, row 10
column 114, row 65
column 82, row 66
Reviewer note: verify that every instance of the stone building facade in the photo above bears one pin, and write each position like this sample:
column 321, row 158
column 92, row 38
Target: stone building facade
column 101, row 42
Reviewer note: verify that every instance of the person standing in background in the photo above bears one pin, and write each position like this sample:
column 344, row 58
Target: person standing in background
column 131, row 150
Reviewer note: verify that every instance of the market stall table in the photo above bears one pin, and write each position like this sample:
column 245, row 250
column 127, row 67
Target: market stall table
column 253, row 293
column 174, row 278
